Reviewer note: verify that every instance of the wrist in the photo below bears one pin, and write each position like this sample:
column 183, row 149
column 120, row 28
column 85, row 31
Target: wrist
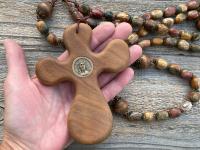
column 12, row 143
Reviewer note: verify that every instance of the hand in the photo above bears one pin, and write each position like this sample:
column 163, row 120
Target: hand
column 36, row 115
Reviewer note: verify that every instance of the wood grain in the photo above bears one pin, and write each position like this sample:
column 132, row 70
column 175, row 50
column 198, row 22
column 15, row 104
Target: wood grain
column 150, row 90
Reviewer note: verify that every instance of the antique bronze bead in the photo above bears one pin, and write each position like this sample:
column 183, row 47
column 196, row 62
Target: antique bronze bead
column 157, row 41
column 185, row 74
column 181, row 8
column 144, row 43
column 185, row 35
column 180, row 18
column 133, row 38
column 161, row 64
column 123, row 17
column 137, row 21
column 44, row 10
column 148, row 116
column 194, row 96
column 162, row 115
column 143, row 62
column 195, row 83
column 170, row 11
column 42, row 27
column 174, row 69
column 174, row 112
column 168, row 22
column 183, row 45
column 52, row 39
column 156, row 14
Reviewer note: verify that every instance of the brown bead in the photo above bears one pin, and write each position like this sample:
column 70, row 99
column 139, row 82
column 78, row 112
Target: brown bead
column 161, row 64
column 181, row 8
column 44, row 10
column 143, row 62
column 151, row 25
column 180, row 18
column 170, row 41
column 183, row 45
column 195, row 83
column 42, row 27
column 96, row 13
column 144, row 43
column 156, row 14
column 168, row 22
column 194, row 96
column 195, row 48
column 120, row 106
column 174, row 69
column 137, row 21
column 133, row 116
column 174, row 112
column 174, row 32
column 162, row 115
column 142, row 32
column 192, row 15
column 185, row 74
column 52, row 39
column 133, row 38
column 185, row 36
column 157, row 41
column 148, row 116
column 170, row 11
column 162, row 29
column 123, row 17
column 147, row 16
column 193, row 4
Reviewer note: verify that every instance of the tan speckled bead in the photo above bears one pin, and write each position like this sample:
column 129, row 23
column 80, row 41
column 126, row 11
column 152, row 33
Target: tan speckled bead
column 52, row 39
column 142, row 32
column 143, row 62
column 148, row 116
column 194, row 96
column 183, row 45
column 157, row 14
column 168, row 22
column 195, row 83
column 133, row 38
column 174, row 69
column 144, row 43
column 162, row 115
column 180, row 18
column 174, row 112
column 162, row 29
column 186, row 35
column 122, row 16
column 157, row 41
column 161, row 64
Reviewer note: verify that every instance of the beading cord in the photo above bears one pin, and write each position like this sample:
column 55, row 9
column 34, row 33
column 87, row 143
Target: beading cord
column 157, row 21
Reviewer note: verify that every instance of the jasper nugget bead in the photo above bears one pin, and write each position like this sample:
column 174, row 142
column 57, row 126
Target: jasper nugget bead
column 170, row 41
column 185, row 35
column 156, row 14
column 180, row 18
column 162, row 29
column 170, row 11
column 183, row 45
column 133, row 116
column 44, row 10
column 85, row 9
column 162, row 115
column 174, row 32
column 42, row 27
column 143, row 62
column 185, row 74
column 120, row 106
column 137, row 21
column 148, row 116
column 193, row 4
column 194, row 96
column 52, row 39
column 157, row 41
column 195, row 48
column 161, row 63
column 142, row 32
column 181, row 8
column 123, row 17
column 168, row 21
column 192, row 15
column 174, row 69
column 174, row 112
column 96, row 13
column 151, row 25
column 133, row 38
column 195, row 83
column 186, row 106
column 144, row 43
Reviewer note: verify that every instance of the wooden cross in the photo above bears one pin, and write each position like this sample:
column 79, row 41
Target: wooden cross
column 90, row 119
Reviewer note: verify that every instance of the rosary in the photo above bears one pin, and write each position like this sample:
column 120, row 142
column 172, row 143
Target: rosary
column 157, row 21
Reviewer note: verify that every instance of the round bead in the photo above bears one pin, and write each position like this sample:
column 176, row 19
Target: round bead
column 195, row 36
column 109, row 16
column 120, row 106
column 148, row 116
column 137, row 21
column 162, row 29
column 174, row 32
column 192, row 15
column 44, row 10
column 168, row 22
column 180, row 18
column 193, row 4
column 85, row 9
column 142, row 32
column 151, row 25
column 186, row 106
column 157, row 41
column 170, row 41
column 144, row 43
column 133, row 38
column 92, row 22
column 183, row 45
column 143, row 62
column 133, row 116
column 162, row 115
column 185, row 35
column 174, row 69
column 42, row 27
column 170, row 11
column 96, row 13
column 181, row 8
column 195, row 48
column 198, row 24
column 174, row 112
column 52, row 39
column 156, row 14
column 185, row 74
column 194, row 96
column 123, row 17
column 147, row 16
column 161, row 64
column 195, row 83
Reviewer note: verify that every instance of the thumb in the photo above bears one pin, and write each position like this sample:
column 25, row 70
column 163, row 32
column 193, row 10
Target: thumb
column 17, row 69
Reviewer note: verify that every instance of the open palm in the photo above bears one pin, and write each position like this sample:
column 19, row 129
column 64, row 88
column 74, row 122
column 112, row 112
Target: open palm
column 36, row 115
